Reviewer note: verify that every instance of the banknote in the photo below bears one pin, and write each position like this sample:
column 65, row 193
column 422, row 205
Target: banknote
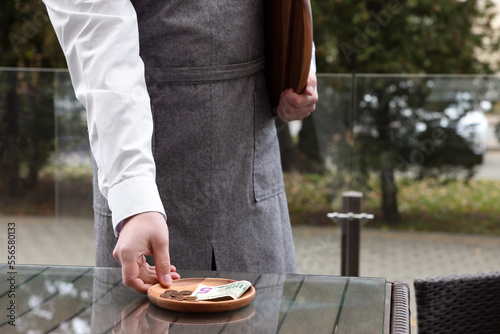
column 222, row 292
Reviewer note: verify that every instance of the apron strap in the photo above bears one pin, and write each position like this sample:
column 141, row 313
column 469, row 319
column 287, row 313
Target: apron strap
column 202, row 74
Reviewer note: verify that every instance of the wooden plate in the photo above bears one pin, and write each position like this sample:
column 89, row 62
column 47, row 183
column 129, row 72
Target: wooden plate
column 200, row 319
column 191, row 284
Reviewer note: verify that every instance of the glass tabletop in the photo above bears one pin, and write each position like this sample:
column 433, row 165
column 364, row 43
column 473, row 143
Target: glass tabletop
column 62, row 299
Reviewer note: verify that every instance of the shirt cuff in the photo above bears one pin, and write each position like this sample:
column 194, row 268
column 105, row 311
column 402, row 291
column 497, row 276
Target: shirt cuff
column 133, row 196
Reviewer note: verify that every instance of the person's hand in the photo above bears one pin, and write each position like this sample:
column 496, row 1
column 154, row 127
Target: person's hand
column 293, row 106
column 144, row 234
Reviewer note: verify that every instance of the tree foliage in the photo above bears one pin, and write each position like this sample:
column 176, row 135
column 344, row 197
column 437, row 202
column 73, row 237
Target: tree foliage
column 27, row 38
column 407, row 36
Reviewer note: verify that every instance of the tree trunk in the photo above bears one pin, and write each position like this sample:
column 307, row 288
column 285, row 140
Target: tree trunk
column 389, row 196
column 308, row 145
column 387, row 164
column 305, row 156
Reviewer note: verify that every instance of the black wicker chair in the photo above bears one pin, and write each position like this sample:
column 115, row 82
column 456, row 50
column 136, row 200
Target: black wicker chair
column 468, row 303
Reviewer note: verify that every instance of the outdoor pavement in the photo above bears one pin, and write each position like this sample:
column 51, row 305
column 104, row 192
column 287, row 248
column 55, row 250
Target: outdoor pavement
column 397, row 256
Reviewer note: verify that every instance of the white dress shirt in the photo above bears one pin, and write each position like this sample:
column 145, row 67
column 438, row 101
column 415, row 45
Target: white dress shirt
column 100, row 40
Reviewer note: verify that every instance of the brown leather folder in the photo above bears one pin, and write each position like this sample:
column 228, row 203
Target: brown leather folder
column 289, row 38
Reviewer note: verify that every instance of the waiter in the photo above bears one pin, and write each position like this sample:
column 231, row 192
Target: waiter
column 186, row 153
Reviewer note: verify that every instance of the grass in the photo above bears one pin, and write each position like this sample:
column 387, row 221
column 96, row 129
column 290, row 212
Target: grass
column 454, row 206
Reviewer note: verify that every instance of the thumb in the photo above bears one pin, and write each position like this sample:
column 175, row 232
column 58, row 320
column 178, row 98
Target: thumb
column 309, row 90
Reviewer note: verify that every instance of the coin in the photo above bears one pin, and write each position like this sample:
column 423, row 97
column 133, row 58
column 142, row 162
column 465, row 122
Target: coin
column 169, row 294
column 171, row 291
column 176, row 295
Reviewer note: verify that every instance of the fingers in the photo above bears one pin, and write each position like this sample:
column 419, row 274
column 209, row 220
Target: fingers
column 131, row 275
column 293, row 106
column 136, row 284
column 147, row 274
column 173, row 272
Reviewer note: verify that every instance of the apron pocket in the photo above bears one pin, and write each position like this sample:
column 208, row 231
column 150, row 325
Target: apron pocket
column 267, row 172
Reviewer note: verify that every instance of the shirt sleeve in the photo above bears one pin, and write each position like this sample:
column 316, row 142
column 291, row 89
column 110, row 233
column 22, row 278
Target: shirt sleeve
column 313, row 58
column 100, row 40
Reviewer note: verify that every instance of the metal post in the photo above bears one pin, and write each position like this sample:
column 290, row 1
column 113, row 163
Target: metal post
column 351, row 203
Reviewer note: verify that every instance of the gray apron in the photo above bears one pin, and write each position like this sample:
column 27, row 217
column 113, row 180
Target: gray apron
column 215, row 143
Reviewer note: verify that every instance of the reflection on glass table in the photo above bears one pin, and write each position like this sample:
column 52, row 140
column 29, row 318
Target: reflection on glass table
column 60, row 299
